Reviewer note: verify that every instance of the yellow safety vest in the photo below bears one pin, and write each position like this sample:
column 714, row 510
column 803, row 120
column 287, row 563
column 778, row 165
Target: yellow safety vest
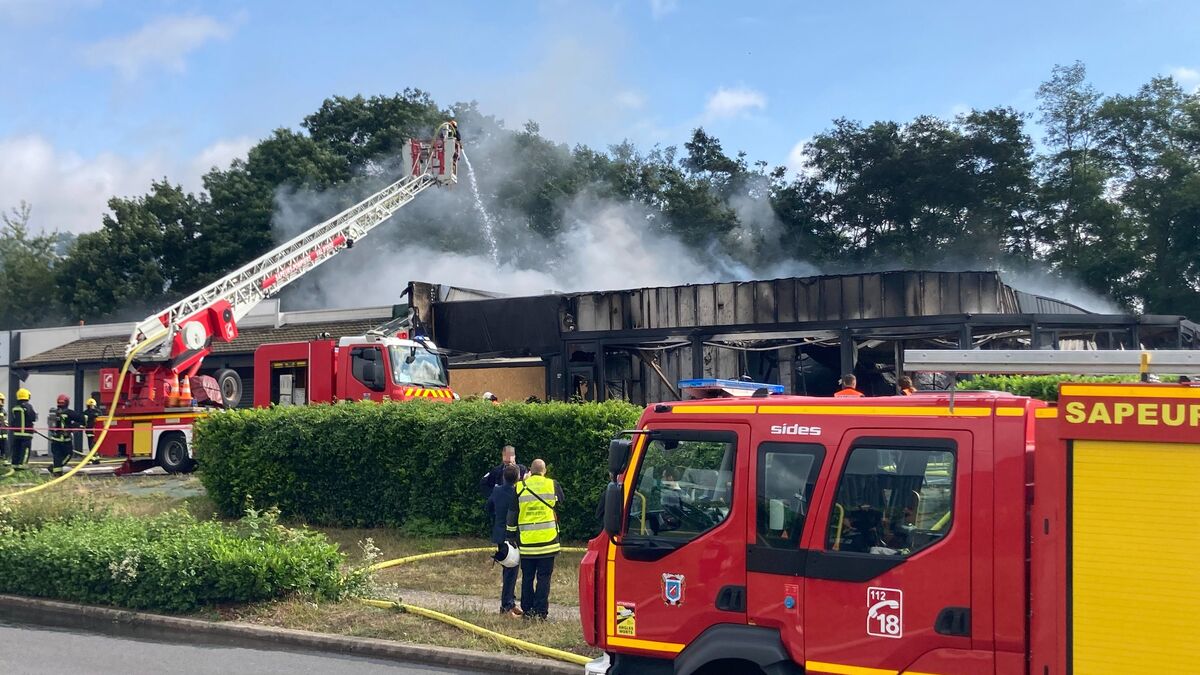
column 537, row 526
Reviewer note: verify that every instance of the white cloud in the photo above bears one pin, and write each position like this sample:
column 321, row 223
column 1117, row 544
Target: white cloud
column 959, row 109
column 70, row 193
column 163, row 43
column 1188, row 78
column 661, row 8
column 217, row 155
column 731, row 102
column 630, row 100
column 797, row 158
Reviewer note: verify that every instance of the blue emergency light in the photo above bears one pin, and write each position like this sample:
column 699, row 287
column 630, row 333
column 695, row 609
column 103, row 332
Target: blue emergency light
column 711, row 387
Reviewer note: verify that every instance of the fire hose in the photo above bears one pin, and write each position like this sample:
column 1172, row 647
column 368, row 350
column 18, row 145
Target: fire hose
column 108, row 419
column 523, row 645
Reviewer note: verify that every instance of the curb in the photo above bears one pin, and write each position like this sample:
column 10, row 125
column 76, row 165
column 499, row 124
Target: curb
column 149, row 626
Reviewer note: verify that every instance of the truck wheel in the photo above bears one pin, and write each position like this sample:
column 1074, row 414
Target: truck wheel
column 230, row 385
column 173, row 453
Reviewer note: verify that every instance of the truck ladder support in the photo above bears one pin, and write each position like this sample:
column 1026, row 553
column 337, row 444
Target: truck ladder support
column 1053, row 362
column 262, row 278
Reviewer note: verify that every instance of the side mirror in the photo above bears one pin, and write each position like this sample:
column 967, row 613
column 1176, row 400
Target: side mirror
column 619, row 450
column 613, row 508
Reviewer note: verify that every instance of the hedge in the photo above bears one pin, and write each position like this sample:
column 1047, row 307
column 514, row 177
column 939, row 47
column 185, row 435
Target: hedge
column 170, row 563
column 1044, row 387
column 414, row 465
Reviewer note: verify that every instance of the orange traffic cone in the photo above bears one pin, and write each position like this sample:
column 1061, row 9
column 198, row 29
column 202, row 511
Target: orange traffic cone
column 185, row 391
column 173, row 390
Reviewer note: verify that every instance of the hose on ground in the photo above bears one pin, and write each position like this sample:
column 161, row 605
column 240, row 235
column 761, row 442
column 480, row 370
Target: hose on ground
column 108, row 419
column 524, row 645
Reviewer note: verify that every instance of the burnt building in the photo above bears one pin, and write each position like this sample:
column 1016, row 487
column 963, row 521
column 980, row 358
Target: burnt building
column 799, row 332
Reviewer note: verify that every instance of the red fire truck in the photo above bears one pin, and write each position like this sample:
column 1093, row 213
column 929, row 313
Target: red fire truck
column 970, row 532
column 374, row 367
column 164, row 392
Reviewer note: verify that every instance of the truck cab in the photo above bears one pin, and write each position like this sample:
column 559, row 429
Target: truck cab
column 365, row 367
column 747, row 532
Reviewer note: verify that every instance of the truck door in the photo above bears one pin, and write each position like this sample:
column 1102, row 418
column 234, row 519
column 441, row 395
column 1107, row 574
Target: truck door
column 785, row 485
column 681, row 563
column 887, row 579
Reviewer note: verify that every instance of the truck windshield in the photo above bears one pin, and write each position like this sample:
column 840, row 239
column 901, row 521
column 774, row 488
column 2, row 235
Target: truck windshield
column 415, row 365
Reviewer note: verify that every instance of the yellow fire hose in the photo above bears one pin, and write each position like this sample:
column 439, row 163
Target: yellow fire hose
column 524, row 645
column 112, row 411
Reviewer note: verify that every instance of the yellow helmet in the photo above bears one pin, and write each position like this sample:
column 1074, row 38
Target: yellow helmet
column 22, row 394
column 91, row 402
column 1, row 397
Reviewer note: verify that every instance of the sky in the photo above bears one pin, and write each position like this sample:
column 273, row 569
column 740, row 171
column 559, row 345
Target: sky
column 103, row 96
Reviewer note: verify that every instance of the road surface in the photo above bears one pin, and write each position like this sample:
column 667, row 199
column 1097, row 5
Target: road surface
column 52, row 651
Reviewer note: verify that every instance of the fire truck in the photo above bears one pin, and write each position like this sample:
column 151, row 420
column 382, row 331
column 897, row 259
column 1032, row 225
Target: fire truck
column 165, row 393
column 944, row 532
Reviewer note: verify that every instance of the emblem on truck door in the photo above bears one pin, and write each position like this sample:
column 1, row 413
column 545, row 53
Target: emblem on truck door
column 885, row 612
column 672, row 587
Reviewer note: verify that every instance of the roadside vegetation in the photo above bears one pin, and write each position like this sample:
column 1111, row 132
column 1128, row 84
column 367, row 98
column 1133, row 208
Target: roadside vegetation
column 158, row 543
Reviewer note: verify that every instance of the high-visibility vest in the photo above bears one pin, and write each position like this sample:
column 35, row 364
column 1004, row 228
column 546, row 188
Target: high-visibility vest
column 537, row 526
column 848, row 392
column 60, row 420
column 3, row 426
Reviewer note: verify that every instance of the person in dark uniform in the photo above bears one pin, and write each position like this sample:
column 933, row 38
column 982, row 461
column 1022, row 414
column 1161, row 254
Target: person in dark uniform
column 20, row 435
column 498, row 506
column 508, row 456
column 3, row 433
column 90, row 414
column 63, row 423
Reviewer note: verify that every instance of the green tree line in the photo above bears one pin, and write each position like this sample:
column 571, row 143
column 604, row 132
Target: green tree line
column 1110, row 197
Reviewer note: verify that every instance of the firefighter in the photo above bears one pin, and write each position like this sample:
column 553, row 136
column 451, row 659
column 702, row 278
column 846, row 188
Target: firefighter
column 20, row 435
column 3, row 433
column 91, row 413
column 62, row 420
column 447, row 131
column 906, row 386
column 849, row 382
column 491, row 398
column 536, row 522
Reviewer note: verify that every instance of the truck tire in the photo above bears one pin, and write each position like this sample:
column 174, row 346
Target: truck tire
column 230, row 385
column 173, row 453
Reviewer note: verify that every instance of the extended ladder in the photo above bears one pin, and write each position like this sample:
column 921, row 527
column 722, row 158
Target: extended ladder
column 262, row 278
column 1050, row 362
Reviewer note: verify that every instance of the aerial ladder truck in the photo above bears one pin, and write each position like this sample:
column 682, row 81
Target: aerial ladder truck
column 155, row 405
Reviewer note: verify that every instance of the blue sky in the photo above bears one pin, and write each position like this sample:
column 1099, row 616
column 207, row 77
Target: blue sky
column 101, row 96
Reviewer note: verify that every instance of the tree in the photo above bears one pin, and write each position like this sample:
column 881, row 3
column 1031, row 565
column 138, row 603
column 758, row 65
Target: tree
column 143, row 254
column 1153, row 139
column 27, row 261
column 1083, row 234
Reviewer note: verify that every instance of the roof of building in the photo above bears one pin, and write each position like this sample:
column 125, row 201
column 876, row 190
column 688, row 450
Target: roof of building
column 112, row 349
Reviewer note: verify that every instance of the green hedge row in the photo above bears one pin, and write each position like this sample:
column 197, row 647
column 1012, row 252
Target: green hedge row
column 414, row 465
column 1044, row 387
column 170, row 563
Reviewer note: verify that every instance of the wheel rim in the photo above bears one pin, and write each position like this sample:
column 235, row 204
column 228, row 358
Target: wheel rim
column 175, row 453
column 229, row 389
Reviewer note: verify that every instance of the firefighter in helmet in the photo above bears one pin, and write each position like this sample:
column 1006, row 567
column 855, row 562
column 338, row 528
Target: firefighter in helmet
column 3, row 433
column 448, row 131
column 63, row 422
column 91, row 413
column 20, row 434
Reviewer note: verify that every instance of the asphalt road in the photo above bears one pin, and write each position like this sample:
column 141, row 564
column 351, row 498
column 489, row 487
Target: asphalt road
column 52, row 651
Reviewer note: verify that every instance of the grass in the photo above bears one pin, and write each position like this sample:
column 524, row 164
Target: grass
column 468, row 575
column 357, row 620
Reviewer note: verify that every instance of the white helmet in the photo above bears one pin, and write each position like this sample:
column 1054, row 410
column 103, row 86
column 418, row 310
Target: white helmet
column 511, row 557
